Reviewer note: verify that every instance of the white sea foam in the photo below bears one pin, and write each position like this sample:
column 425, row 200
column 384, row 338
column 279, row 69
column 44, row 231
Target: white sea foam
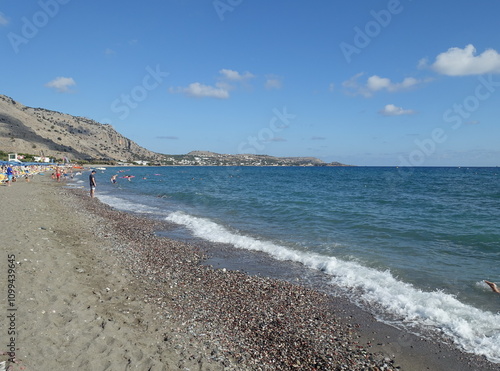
column 473, row 330
column 75, row 183
column 125, row 205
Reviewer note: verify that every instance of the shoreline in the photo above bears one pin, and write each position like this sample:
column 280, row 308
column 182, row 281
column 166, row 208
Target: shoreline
column 94, row 281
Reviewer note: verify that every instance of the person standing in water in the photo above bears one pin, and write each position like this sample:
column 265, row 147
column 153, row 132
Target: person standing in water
column 92, row 183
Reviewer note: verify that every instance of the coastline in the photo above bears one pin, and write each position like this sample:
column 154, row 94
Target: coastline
column 97, row 288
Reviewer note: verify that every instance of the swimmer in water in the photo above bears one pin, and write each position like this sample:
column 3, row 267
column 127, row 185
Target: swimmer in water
column 493, row 286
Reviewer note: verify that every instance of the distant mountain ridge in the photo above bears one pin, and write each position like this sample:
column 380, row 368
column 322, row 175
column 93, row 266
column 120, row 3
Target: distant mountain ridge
column 211, row 158
column 57, row 135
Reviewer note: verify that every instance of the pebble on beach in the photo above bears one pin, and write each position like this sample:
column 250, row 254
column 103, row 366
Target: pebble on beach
column 245, row 322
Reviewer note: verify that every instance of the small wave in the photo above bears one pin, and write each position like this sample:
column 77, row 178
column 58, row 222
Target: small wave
column 473, row 330
column 125, row 205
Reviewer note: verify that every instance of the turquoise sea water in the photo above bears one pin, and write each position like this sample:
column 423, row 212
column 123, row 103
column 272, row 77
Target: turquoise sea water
column 413, row 243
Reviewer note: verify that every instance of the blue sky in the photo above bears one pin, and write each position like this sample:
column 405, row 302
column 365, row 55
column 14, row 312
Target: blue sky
column 397, row 83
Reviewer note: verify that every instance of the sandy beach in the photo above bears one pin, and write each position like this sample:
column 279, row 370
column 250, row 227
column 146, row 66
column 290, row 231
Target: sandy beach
column 86, row 287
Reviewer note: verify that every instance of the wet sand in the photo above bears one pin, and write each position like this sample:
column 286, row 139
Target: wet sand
column 97, row 289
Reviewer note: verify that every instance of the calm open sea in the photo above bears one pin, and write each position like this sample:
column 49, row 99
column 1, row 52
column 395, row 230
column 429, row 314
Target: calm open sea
column 414, row 244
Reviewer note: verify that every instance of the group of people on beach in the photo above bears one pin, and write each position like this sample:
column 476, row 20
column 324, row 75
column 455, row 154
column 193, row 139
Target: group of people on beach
column 11, row 173
column 62, row 173
column 113, row 180
column 93, row 183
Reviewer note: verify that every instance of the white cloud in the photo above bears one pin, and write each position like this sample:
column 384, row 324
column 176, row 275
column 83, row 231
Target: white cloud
column 220, row 90
column 273, row 82
column 109, row 51
column 376, row 83
column 352, row 83
column 473, row 122
column 198, row 90
column 61, row 84
column 3, row 20
column 422, row 63
column 461, row 62
column 407, row 83
column 392, row 110
column 235, row 75
column 276, row 139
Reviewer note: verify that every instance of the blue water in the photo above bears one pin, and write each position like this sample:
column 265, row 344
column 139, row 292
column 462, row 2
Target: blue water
column 412, row 243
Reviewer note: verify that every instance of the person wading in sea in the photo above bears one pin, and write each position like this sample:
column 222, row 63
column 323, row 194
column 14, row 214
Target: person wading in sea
column 92, row 183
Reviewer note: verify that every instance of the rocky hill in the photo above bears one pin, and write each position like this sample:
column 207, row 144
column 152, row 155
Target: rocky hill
column 38, row 130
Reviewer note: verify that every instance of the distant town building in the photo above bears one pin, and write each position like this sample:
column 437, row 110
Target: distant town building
column 41, row 159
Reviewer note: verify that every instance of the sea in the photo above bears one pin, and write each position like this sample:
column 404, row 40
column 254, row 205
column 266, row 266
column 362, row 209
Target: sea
column 411, row 245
